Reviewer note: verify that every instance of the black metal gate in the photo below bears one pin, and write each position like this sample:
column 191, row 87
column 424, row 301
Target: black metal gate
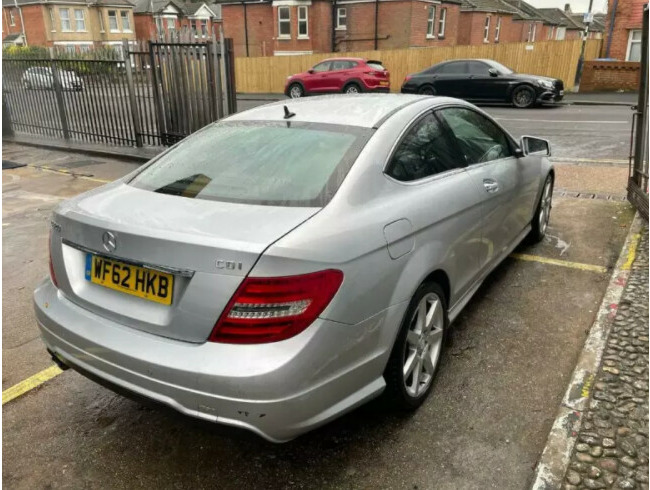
column 145, row 93
column 637, row 187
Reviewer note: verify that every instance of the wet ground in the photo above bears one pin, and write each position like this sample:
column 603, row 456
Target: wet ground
column 510, row 356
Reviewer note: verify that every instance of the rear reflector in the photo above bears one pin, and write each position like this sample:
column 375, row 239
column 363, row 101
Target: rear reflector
column 270, row 309
column 49, row 250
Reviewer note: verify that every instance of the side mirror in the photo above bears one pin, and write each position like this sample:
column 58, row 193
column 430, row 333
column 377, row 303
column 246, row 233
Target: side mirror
column 493, row 72
column 530, row 145
column 311, row 71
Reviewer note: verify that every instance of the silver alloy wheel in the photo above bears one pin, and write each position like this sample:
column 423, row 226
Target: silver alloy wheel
column 423, row 345
column 545, row 207
column 352, row 89
column 295, row 92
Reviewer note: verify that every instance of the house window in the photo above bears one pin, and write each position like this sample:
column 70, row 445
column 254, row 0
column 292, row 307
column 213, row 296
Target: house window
column 341, row 18
column 65, row 20
column 101, row 20
column 560, row 33
column 532, row 28
column 52, row 23
column 204, row 28
column 159, row 25
column 171, row 23
column 84, row 48
column 112, row 21
column 303, row 17
column 12, row 20
column 431, row 19
column 193, row 26
column 80, row 22
column 634, row 46
column 126, row 22
column 442, row 21
column 497, row 30
column 71, row 48
column 284, row 22
column 486, row 30
column 551, row 31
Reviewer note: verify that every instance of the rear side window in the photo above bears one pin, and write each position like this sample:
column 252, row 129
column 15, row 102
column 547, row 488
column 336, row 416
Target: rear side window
column 343, row 65
column 265, row 163
column 479, row 138
column 425, row 150
column 452, row 68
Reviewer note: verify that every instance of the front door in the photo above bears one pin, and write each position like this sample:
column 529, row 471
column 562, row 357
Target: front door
column 451, row 79
column 485, row 86
column 504, row 181
column 319, row 79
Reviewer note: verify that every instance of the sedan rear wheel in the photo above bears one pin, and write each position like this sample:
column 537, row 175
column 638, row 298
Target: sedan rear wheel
column 427, row 90
column 523, row 97
column 416, row 354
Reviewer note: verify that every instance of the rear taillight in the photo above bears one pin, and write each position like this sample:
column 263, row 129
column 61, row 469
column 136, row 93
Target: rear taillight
column 49, row 250
column 269, row 309
column 408, row 77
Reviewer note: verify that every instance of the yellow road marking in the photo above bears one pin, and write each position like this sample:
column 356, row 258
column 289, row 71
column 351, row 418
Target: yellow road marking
column 561, row 263
column 631, row 252
column 68, row 172
column 30, row 383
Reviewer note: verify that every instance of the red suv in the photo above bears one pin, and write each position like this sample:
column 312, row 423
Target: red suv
column 347, row 75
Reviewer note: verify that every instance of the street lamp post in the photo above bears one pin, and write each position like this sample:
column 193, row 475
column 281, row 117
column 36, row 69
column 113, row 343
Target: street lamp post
column 588, row 19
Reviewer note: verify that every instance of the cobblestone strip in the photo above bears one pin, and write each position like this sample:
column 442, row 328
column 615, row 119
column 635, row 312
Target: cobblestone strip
column 612, row 447
column 552, row 466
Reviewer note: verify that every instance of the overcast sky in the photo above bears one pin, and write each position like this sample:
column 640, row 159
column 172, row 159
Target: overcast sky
column 576, row 5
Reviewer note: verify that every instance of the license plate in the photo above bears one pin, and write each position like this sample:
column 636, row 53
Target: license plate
column 383, row 83
column 131, row 279
column 561, row 92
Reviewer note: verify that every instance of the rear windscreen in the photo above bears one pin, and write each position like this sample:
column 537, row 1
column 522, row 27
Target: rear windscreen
column 280, row 164
column 375, row 65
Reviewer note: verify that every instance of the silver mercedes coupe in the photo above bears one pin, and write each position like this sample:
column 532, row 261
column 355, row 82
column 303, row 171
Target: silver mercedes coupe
column 285, row 265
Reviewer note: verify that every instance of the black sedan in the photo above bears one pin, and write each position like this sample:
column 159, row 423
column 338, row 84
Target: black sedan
column 484, row 81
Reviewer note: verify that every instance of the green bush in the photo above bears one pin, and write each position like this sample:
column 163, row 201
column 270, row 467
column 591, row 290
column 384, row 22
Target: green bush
column 25, row 52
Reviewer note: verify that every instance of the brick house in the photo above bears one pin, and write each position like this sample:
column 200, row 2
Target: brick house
column 499, row 21
column 623, row 30
column 285, row 27
column 71, row 25
column 566, row 26
column 154, row 17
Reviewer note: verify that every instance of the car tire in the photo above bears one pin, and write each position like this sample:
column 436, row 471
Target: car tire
column 352, row 88
column 427, row 90
column 296, row 91
column 415, row 341
column 542, row 213
column 523, row 97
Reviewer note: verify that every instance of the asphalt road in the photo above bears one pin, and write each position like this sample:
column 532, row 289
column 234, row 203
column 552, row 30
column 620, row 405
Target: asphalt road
column 510, row 355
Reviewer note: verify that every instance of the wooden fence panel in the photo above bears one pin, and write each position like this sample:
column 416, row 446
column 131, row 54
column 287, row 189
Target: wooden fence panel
column 557, row 59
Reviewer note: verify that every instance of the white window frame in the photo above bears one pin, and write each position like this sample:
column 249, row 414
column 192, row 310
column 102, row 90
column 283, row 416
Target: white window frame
column 486, row 30
column 170, row 23
column 193, row 26
column 77, row 20
column 442, row 22
column 281, row 21
column 303, row 19
column 67, row 19
column 204, row 24
column 560, row 33
column 551, row 31
column 124, row 14
column 12, row 19
column 53, row 24
column 159, row 25
column 112, row 14
column 102, row 27
column 631, row 41
column 431, row 22
column 341, row 14
column 497, row 30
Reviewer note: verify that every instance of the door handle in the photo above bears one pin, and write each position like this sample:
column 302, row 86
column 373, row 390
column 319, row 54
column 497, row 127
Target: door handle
column 490, row 185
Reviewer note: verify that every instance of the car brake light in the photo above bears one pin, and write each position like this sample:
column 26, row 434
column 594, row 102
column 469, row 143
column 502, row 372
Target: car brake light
column 408, row 77
column 270, row 309
column 49, row 250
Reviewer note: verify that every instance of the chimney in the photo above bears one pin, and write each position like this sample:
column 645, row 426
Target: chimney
column 567, row 8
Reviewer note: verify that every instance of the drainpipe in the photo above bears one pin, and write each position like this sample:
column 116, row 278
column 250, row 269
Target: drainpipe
column 611, row 29
column 245, row 28
column 376, row 20
column 333, row 26
column 22, row 21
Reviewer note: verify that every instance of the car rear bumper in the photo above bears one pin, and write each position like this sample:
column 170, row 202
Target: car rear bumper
column 278, row 391
column 377, row 89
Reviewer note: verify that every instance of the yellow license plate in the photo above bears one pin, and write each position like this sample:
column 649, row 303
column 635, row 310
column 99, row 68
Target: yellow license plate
column 383, row 83
column 131, row 279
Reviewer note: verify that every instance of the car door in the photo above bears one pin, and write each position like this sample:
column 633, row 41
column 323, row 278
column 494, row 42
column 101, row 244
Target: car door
column 338, row 74
column 440, row 201
column 480, row 85
column 317, row 79
column 505, row 181
column 451, row 78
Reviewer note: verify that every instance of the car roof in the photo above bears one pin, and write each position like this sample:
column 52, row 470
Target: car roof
column 363, row 110
column 343, row 59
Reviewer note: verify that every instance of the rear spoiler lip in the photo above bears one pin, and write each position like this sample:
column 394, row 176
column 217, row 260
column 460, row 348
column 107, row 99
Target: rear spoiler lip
column 375, row 61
